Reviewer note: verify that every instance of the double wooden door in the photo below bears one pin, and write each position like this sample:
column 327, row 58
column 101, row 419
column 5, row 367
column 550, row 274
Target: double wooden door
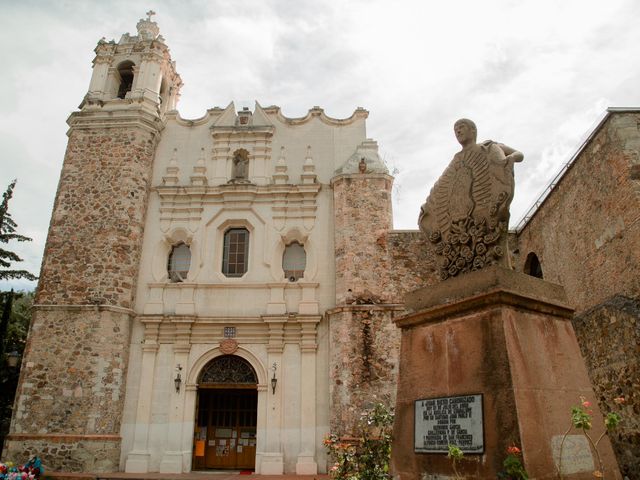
column 225, row 434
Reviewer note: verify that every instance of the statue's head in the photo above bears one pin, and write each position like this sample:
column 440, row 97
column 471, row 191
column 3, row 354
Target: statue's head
column 466, row 131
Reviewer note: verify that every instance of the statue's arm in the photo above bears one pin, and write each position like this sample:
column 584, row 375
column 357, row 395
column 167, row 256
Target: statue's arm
column 512, row 154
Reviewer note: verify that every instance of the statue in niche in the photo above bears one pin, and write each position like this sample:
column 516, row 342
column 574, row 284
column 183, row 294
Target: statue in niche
column 240, row 168
column 466, row 215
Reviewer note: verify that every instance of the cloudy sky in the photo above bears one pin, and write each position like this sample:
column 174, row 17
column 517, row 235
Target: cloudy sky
column 536, row 75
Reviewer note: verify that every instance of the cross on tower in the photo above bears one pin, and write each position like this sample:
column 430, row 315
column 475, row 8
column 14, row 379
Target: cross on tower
column 150, row 13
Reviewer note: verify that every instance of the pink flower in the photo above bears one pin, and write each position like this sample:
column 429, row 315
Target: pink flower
column 619, row 400
column 586, row 403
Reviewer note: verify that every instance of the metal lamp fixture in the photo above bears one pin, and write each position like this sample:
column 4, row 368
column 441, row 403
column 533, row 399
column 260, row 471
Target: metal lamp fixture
column 178, row 380
column 274, row 380
column 12, row 359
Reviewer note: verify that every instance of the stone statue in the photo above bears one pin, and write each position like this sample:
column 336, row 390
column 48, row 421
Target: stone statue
column 240, row 170
column 466, row 215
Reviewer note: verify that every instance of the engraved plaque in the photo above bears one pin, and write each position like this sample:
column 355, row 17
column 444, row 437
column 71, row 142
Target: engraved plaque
column 444, row 421
column 576, row 454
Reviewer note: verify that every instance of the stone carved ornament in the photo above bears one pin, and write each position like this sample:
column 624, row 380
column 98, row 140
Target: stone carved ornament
column 466, row 215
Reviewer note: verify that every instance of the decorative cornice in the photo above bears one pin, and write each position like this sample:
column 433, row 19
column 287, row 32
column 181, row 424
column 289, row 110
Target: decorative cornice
column 126, row 117
column 316, row 113
column 359, row 176
column 78, row 308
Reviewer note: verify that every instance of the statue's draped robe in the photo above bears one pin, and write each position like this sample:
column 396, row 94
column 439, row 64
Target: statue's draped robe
column 466, row 215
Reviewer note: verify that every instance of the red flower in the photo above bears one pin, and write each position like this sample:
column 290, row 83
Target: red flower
column 513, row 450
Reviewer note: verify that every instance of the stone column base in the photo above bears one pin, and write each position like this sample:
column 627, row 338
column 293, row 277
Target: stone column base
column 137, row 462
column 508, row 337
column 269, row 464
column 306, row 465
column 171, row 462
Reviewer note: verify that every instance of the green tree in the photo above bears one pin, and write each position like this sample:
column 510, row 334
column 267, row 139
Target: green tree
column 7, row 233
column 17, row 309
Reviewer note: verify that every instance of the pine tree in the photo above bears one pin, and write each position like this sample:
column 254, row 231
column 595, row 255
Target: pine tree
column 8, row 232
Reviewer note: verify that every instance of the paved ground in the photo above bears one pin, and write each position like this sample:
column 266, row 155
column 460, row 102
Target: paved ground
column 210, row 475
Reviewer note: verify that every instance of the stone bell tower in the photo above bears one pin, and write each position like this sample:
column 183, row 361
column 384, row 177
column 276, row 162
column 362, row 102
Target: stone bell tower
column 69, row 402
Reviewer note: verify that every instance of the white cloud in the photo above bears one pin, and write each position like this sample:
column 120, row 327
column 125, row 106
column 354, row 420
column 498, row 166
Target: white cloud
column 535, row 75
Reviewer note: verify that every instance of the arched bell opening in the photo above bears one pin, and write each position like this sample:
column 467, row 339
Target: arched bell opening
column 226, row 415
column 125, row 71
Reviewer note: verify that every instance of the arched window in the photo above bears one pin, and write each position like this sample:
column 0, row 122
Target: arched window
column 532, row 266
column 235, row 254
column 179, row 262
column 228, row 369
column 125, row 70
column 294, row 261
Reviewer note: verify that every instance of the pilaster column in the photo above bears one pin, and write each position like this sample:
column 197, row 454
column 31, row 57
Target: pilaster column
column 138, row 458
column 172, row 459
column 306, row 464
column 272, row 462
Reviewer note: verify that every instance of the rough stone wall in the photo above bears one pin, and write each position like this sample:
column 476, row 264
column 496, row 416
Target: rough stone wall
column 375, row 267
column 586, row 234
column 362, row 212
column 412, row 263
column 93, row 248
column 67, row 454
column 609, row 338
column 363, row 362
column 72, row 382
column 72, row 385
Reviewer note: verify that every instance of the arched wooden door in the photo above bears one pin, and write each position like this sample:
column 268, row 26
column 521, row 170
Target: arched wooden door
column 227, row 412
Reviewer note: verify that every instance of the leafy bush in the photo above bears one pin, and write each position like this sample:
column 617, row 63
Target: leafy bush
column 367, row 456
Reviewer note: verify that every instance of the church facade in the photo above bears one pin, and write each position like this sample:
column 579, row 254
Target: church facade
column 216, row 293
column 186, row 279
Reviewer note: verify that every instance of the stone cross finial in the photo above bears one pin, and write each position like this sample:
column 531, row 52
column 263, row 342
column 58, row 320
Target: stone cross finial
column 150, row 13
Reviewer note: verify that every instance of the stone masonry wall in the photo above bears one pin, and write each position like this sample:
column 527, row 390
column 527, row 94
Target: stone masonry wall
column 375, row 267
column 72, row 383
column 412, row 263
column 67, row 454
column 609, row 338
column 586, row 234
column 362, row 210
column 363, row 362
column 93, row 248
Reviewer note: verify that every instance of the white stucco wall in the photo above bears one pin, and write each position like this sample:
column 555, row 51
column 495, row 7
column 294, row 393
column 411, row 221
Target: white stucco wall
column 276, row 320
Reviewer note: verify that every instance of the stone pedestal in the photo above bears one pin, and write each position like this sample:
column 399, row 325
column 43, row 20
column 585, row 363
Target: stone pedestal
column 508, row 337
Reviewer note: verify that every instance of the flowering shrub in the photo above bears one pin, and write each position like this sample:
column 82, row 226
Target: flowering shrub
column 513, row 468
column 581, row 419
column 367, row 456
column 29, row 471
